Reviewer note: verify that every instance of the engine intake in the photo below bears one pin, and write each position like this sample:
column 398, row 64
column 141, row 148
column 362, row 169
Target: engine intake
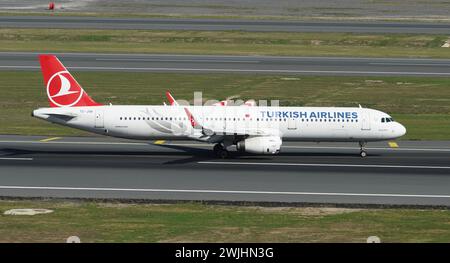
column 260, row 145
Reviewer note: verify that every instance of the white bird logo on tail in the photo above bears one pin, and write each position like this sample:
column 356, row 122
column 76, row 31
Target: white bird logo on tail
column 65, row 87
column 60, row 93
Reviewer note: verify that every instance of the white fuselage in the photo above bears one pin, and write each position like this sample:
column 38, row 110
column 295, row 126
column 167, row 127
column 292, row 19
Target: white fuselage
column 172, row 122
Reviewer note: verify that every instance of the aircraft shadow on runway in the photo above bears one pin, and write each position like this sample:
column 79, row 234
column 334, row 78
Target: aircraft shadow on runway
column 193, row 154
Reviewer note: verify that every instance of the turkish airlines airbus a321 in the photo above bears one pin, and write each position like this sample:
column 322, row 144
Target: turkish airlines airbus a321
column 253, row 129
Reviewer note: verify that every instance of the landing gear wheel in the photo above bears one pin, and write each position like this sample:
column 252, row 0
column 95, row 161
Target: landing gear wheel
column 362, row 152
column 223, row 154
column 220, row 151
column 217, row 148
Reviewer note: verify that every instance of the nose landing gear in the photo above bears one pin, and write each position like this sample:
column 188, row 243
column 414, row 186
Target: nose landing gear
column 362, row 152
column 220, row 151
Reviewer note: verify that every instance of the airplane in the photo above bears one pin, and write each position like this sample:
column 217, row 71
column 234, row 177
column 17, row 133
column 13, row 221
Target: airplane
column 252, row 129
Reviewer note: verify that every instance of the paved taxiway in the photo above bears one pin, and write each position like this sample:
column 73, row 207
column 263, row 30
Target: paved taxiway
column 221, row 24
column 416, row 173
column 234, row 64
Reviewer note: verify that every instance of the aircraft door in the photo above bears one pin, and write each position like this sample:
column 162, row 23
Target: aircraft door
column 292, row 124
column 223, row 119
column 365, row 120
column 99, row 119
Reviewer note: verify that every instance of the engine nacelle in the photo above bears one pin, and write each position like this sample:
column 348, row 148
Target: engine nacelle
column 260, row 145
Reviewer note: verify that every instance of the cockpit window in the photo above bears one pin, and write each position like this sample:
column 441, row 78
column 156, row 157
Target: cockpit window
column 383, row 120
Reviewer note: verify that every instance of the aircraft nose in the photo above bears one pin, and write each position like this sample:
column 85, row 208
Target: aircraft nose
column 400, row 130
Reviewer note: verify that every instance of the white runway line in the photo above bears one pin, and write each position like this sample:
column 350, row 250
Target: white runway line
column 207, row 191
column 16, row 159
column 330, row 165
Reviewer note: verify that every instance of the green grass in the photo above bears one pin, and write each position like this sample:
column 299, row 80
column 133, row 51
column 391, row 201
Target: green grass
column 225, row 42
column 421, row 103
column 108, row 222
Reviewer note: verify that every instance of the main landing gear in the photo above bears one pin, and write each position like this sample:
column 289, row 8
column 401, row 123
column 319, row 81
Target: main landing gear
column 220, row 151
column 362, row 152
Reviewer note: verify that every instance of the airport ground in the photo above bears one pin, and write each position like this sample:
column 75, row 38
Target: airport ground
column 325, row 173
column 413, row 175
column 141, row 164
column 232, row 42
column 309, row 193
column 195, row 222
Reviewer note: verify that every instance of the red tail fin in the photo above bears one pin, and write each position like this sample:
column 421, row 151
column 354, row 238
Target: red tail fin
column 62, row 89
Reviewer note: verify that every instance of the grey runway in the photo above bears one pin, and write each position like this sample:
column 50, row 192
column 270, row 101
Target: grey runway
column 416, row 173
column 234, row 64
column 221, row 24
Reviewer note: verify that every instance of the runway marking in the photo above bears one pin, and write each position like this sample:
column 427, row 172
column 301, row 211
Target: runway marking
column 393, row 144
column 50, row 139
column 245, row 70
column 159, row 142
column 329, row 165
column 15, row 159
column 211, row 191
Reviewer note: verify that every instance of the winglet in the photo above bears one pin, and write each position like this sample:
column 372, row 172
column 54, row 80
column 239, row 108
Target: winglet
column 171, row 99
column 250, row 103
column 221, row 103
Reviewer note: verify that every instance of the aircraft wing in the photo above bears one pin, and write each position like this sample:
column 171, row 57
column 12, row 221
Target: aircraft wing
column 203, row 133
column 223, row 103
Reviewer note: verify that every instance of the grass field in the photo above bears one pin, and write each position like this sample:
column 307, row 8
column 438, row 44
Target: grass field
column 421, row 103
column 225, row 42
column 108, row 222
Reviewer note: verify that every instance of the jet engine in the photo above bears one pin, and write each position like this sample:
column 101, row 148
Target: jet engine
column 260, row 145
